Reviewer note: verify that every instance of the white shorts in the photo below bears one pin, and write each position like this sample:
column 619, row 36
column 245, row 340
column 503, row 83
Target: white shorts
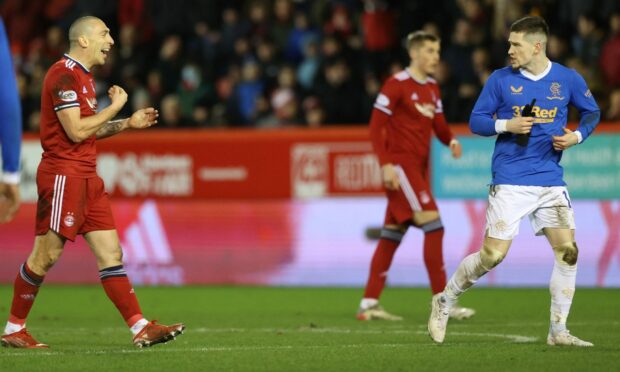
column 546, row 206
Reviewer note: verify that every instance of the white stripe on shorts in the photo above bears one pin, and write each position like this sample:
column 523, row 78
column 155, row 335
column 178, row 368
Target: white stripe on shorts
column 59, row 191
column 407, row 189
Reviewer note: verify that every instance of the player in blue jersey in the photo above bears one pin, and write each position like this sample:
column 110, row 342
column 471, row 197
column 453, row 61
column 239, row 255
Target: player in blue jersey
column 527, row 176
column 10, row 132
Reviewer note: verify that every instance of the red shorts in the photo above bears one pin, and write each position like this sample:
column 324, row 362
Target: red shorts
column 72, row 205
column 414, row 194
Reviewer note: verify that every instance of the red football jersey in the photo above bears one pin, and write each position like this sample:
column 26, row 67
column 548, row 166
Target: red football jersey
column 413, row 110
column 67, row 84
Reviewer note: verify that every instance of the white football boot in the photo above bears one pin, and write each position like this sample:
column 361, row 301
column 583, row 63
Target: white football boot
column 461, row 313
column 438, row 321
column 564, row 338
column 376, row 312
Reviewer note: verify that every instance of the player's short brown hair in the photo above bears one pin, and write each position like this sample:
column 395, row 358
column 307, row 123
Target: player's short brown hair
column 530, row 25
column 417, row 38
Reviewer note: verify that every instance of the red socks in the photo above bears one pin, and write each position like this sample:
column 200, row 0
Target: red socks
column 25, row 289
column 381, row 262
column 118, row 288
column 433, row 258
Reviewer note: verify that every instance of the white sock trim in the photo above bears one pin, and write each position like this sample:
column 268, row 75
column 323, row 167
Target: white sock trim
column 137, row 327
column 13, row 327
column 368, row 302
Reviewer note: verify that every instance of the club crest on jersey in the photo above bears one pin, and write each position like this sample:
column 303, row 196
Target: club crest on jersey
column 426, row 109
column 518, row 90
column 555, row 91
column 69, row 219
column 67, row 95
column 414, row 96
column 424, row 197
column 84, row 90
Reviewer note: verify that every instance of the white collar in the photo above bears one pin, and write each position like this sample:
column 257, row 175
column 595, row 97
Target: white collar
column 531, row 76
column 67, row 56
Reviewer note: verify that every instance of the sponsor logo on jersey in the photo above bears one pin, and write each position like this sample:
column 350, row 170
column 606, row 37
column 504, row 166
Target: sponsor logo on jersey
column 84, row 89
column 555, row 91
column 424, row 197
column 518, row 90
column 588, row 93
column 67, row 95
column 426, row 109
column 69, row 219
column 414, row 96
column 92, row 102
column 540, row 115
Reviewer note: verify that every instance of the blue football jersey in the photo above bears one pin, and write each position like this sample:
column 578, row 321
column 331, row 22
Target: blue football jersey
column 505, row 94
column 10, row 109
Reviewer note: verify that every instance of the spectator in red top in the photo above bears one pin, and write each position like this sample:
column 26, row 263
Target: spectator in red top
column 610, row 56
column 379, row 28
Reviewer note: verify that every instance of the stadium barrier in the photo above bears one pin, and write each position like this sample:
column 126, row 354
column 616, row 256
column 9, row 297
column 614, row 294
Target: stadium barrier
column 290, row 207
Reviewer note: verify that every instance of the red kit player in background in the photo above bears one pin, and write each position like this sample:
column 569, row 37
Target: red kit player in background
column 406, row 111
column 72, row 199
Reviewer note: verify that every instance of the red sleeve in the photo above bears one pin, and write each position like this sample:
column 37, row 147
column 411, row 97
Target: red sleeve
column 379, row 120
column 440, row 126
column 64, row 89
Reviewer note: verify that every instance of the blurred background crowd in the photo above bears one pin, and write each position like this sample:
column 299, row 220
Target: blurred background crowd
column 306, row 63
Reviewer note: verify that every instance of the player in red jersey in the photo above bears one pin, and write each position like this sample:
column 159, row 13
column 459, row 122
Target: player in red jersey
column 407, row 110
column 72, row 199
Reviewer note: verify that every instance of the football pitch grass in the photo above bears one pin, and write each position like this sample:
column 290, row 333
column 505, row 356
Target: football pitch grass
column 313, row 329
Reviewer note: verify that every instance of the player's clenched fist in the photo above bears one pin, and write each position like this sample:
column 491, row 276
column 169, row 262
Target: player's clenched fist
column 520, row 124
column 118, row 96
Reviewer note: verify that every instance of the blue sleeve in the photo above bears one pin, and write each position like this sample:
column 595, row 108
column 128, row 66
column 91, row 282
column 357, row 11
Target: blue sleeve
column 582, row 99
column 10, row 109
column 481, row 121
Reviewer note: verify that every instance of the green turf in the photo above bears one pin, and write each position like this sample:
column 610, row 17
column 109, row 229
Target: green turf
column 297, row 329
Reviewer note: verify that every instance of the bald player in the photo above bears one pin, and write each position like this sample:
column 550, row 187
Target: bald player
column 72, row 199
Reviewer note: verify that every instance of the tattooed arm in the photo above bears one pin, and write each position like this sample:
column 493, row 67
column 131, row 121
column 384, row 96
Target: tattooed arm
column 111, row 128
column 140, row 119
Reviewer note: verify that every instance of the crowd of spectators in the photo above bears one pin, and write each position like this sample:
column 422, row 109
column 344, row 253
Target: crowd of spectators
column 274, row 63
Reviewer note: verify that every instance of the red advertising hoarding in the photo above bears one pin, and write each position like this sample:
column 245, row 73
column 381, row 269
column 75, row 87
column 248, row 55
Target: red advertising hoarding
column 241, row 164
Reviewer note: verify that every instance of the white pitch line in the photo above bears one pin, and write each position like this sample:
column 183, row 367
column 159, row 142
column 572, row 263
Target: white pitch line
column 514, row 338
column 510, row 337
